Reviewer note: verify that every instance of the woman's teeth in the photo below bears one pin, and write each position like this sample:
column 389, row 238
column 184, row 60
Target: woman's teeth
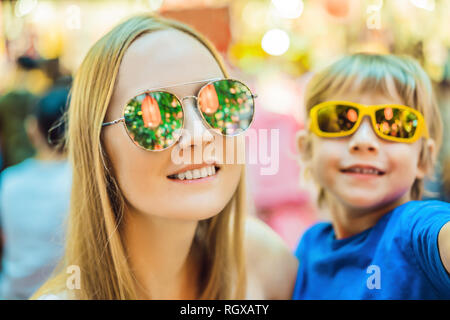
column 195, row 174
column 364, row 171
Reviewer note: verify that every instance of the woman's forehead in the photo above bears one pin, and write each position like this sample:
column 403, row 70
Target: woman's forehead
column 163, row 58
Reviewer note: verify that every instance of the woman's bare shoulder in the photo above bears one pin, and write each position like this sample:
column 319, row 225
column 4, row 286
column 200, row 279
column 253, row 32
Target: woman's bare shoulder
column 269, row 260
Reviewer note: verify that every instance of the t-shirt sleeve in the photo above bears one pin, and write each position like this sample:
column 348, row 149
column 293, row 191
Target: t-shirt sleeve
column 424, row 227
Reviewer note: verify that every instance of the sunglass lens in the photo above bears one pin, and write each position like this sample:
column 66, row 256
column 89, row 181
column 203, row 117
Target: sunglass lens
column 396, row 122
column 337, row 118
column 154, row 120
column 227, row 106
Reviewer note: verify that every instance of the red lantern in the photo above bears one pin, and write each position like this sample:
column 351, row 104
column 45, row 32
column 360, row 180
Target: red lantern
column 209, row 102
column 337, row 8
column 150, row 112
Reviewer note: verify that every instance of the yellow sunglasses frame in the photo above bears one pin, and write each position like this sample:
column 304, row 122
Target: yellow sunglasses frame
column 366, row 110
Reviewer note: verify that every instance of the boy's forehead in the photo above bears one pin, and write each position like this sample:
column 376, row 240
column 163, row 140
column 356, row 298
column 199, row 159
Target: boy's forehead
column 369, row 91
column 368, row 98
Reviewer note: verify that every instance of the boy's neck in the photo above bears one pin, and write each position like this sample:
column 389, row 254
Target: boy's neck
column 348, row 221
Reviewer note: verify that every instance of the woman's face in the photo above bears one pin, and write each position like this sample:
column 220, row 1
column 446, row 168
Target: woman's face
column 166, row 58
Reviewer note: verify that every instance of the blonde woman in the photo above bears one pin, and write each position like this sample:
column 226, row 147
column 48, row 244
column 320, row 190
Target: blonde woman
column 141, row 225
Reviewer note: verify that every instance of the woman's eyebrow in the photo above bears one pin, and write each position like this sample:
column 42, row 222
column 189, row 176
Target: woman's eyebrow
column 142, row 91
column 184, row 83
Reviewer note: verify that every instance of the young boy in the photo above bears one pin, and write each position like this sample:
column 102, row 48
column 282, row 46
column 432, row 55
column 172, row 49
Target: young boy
column 373, row 135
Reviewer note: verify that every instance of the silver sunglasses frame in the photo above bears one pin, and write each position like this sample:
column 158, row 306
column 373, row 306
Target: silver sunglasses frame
column 207, row 125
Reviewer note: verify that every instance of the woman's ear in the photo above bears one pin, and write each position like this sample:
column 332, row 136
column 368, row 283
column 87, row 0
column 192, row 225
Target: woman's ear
column 302, row 144
column 426, row 163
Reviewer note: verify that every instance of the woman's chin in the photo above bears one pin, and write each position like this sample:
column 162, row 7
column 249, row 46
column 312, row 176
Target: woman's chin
column 192, row 213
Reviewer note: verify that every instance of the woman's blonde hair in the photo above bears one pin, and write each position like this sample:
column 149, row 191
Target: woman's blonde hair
column 362, row 73
column 95, row 242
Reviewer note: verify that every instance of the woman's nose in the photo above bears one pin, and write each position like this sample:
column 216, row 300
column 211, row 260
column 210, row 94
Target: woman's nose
column 364, row 139
column 195, row 132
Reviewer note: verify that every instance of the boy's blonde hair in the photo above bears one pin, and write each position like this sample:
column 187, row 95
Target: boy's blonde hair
column 363, row 72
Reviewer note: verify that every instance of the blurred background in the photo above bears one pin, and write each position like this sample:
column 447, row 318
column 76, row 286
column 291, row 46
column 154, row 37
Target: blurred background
column 273, row 45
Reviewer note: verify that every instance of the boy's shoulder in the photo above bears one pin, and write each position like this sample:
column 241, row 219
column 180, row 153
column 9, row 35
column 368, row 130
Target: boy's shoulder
column 421, row 210
column 417, row 222
column 424, row 204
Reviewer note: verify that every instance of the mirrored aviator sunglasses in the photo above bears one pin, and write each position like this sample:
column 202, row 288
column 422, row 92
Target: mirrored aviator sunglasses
column 154, row 119
column 390, row 122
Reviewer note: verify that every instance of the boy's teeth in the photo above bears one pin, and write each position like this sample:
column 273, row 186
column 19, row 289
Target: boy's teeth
column 197, row 173
column 364, row 170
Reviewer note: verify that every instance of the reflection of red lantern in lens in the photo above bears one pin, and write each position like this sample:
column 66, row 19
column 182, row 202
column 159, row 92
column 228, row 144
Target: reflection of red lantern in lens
column 209, row 102
column 352, row 115
column 337, row 8
column 150, row 112
column 388, row 114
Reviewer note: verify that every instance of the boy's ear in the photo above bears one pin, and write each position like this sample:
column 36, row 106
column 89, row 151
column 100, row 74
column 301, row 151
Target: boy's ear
column 302, row 144
column 425, row 164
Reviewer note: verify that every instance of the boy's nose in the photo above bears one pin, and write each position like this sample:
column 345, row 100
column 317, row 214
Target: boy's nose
column 195, row 131
column 364, row 139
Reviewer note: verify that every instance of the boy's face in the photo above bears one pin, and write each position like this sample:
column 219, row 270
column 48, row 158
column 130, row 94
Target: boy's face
column 397, row 163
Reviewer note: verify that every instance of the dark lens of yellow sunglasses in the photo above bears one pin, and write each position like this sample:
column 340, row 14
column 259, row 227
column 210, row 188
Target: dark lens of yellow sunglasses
column 153, row 120
column 337, row 118
column 227, row 106
column 396, row 122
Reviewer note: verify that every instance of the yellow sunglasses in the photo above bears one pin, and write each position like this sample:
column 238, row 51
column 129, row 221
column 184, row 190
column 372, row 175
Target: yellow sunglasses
column 331, row 119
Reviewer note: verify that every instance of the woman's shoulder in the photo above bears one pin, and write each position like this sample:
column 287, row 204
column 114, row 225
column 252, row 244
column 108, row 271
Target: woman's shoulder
column 270, row 262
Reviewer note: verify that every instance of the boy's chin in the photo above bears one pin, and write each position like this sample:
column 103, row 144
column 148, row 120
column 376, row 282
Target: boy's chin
column 362, row 202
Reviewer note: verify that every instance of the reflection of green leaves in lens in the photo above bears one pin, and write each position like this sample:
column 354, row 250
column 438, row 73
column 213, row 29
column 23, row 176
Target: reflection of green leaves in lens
column 162, row 136
column 335, row 118
column 236, row 107
column 403, row 124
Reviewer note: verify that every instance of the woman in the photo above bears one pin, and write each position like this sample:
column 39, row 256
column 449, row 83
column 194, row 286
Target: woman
column 143, row 226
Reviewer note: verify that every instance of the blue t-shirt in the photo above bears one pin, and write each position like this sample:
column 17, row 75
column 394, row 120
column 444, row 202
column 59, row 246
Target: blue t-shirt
column 34, row 203
column 398, row 258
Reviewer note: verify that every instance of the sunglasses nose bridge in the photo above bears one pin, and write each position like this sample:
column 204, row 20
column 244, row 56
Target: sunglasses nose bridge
column 365, row 136
column 365, row 112
column 189, row 97
column 197, row 131
column 195, row 106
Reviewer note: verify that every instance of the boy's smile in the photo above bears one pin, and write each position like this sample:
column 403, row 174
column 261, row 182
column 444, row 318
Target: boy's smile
column 360, row 170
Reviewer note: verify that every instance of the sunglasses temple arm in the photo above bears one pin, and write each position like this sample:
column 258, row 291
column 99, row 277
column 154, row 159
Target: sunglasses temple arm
column 112, row 122
column 425, row 130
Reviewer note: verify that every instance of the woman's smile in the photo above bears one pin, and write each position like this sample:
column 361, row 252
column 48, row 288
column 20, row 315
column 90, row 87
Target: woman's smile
column 195, row 174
